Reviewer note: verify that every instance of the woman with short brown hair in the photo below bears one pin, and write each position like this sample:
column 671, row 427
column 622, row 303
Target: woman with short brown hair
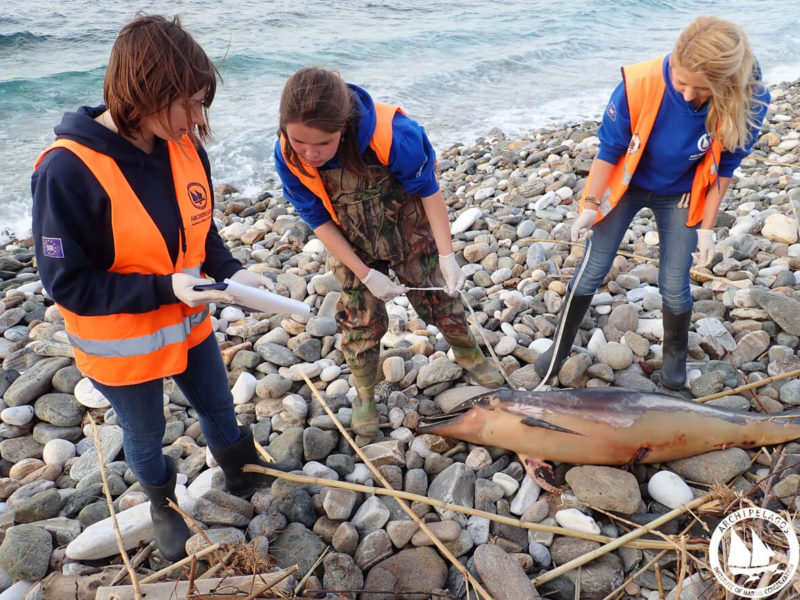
column 122, row 221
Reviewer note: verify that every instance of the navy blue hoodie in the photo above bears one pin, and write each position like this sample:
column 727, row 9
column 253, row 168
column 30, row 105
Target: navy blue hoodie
column 69, row 205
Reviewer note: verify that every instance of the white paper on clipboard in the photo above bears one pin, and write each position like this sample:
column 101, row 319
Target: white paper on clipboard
column 265, row 301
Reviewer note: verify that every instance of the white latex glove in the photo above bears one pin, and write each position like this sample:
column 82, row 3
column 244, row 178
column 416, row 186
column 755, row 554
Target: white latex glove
column 454, row 277
column 253, row 279
column 381, row 286
column 705, row 247
column 183, row 283
column 582, row 224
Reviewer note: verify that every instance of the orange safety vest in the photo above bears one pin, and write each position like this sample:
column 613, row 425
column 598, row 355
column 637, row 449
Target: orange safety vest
column 381, row 143
column 644, row 88
column 126, row 348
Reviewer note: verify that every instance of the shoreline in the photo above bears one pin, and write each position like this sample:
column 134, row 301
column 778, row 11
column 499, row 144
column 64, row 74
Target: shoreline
column 504, row 194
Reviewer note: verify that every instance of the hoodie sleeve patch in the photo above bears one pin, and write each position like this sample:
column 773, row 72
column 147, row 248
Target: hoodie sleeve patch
column 52, row 247
column 612, row 111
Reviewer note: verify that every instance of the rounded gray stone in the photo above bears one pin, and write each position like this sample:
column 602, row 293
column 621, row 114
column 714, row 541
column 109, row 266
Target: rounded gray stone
column 25, row 552
column 40, row 506
column 59, row 409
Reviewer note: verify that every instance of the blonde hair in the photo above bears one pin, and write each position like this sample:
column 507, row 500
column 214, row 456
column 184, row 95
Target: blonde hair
column 717, row 51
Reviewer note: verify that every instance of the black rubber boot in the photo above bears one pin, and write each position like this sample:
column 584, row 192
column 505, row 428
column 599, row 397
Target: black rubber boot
column 565, row 334
column 244, row 452
column 674, row 348
column 171, row 530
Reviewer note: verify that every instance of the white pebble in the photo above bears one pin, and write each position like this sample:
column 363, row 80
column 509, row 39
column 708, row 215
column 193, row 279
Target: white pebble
column 231, row 314
column 478, row 458
column 17, row 415
column 296, row 406
column 394, row 369
column 508, row 483
column 669, row 489
column 244, row 388
column 314, row 246
column 88, row 396
column 572, row 518
column 330, row 373
column 360, row 474
column 478, row 529
column 402, row 434
column 528, row 494
column 58, row 451
column 396, row 417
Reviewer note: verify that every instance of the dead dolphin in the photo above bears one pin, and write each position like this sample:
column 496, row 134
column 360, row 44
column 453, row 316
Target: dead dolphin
column 606, row 426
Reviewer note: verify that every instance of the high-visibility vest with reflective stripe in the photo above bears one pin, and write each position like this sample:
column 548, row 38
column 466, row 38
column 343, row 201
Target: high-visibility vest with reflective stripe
column 127, row 348
column 381, row 143
column 644, row 89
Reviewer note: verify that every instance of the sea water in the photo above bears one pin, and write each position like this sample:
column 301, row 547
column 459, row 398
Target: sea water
column 460, row 68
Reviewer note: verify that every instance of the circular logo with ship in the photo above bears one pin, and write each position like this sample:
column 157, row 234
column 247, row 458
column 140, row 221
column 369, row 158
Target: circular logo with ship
column 197, row 194
column 754, row 553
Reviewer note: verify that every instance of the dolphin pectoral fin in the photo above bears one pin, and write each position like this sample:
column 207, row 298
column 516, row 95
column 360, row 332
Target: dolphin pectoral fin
column 541, row 473
column 534, row 422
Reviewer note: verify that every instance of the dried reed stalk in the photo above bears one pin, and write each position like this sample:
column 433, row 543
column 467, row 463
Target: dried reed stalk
column 177, row 565
column 749, row 386
column 379, row 476
column 636, row 533
column 137, row 591
column 345, row 485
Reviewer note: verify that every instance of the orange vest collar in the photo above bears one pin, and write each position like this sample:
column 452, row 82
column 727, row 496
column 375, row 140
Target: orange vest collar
column 644, row 89
column 381, row 143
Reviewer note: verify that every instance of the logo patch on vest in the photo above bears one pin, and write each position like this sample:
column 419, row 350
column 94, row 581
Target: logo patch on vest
column 611, row 111
column 197, row 194
column 635, row 143
column 52, row 247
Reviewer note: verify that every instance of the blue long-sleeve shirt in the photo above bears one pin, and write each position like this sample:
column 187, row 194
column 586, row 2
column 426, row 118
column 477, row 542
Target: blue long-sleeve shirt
column 677, row 142
column 70, row 204
column 412, row 160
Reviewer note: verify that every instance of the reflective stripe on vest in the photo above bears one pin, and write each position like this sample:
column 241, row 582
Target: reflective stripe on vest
column 644, row 90
column 124, row 349
column 381, row 143
column 138, row 346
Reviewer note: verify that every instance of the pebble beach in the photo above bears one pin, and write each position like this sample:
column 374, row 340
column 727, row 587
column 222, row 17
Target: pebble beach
column 511, row 202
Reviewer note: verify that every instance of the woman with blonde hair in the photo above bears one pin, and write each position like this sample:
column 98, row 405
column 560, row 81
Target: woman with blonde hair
column 672, row 134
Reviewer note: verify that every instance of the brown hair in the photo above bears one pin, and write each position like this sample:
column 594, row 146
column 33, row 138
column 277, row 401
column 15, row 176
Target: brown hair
column 717, row 51
column 321, row 99
column 153, row 63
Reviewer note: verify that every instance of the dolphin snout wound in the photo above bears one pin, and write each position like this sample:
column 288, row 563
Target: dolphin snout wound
column 606, row 426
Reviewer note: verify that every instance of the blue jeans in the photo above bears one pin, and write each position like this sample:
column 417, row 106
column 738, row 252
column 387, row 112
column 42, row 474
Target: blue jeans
column 140, row 408
column 676, row 244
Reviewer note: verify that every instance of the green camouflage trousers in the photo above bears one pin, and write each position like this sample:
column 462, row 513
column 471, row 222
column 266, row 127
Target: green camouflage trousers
column 388, row 227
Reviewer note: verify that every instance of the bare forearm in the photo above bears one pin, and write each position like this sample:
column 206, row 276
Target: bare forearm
column 335, row 242
column 713, row 200
column 436, row 210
